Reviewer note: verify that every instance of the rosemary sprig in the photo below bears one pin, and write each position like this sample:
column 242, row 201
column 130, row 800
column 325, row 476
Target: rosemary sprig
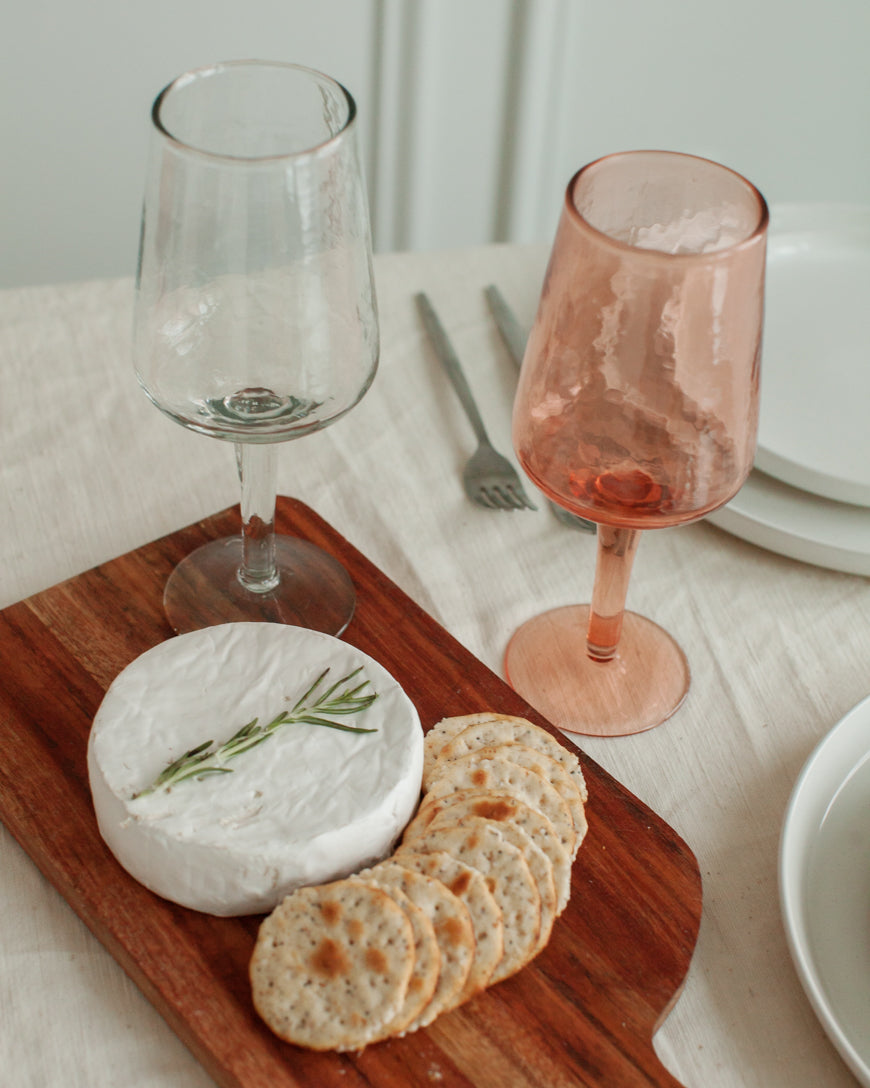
column 209, row 758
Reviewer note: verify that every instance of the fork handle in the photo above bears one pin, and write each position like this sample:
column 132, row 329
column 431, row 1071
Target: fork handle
column 450, row 361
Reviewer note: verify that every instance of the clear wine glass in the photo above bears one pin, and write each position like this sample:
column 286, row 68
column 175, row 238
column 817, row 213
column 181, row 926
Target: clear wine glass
column 637, row 408
column 255, row 313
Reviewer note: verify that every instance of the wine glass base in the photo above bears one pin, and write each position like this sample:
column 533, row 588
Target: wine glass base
column 546, row 662
column 314, row 591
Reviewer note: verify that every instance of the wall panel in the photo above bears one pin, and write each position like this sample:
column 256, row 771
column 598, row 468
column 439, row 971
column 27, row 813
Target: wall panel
column 474, row 113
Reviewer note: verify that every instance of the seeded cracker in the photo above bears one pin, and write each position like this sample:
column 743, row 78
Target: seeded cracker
column 540, row 866
column 482, row 730
column 331, row 965
column 500, row 775
column 468, row 885
column 555, row 773
column 444, row 731
column 427, row 960
column 507, row 876
column 505, row 810
column 453, row 932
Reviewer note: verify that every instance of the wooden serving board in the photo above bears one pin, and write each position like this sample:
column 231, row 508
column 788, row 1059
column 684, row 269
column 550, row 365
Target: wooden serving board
column 582, row 1013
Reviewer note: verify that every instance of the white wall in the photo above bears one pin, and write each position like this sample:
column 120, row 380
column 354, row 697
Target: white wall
column 77, row 78
column 777, row 89
column 474, row 112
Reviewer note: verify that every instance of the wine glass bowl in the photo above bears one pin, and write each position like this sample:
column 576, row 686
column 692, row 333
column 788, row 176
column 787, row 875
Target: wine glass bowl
column 255, row 320
column 637, row 408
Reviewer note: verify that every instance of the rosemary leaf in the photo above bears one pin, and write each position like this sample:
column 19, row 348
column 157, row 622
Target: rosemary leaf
column 199, row 771
column 231, row 753
column 310, row 691
column 245, row 731
column 337, row 684
column 312, row 720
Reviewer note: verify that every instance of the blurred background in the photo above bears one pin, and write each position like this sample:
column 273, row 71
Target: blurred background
column 474, row 113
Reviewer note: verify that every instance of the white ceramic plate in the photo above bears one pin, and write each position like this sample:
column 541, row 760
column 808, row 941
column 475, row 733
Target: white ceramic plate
column 815, row 383
column 795, row 523
column 824, row 879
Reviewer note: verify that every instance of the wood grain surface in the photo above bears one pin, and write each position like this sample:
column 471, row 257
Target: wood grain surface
column 582, row 1014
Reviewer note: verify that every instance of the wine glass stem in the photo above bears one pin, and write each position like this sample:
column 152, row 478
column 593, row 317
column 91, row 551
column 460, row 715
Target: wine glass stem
column 256, row 463
column 616, row 552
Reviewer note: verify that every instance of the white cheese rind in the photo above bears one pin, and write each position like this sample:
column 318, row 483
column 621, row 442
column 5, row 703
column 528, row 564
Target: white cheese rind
column 309, row 805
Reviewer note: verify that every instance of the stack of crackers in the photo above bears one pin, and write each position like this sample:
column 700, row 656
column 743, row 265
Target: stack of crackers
column 469, row 896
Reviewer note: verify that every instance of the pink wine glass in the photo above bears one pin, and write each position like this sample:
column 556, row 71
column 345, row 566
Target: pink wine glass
column 637, row 408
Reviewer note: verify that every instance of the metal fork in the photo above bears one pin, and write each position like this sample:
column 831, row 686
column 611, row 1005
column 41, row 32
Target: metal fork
column 489, row 479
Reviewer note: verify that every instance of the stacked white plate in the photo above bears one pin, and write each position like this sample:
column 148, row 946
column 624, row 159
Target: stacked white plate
column 809, row 494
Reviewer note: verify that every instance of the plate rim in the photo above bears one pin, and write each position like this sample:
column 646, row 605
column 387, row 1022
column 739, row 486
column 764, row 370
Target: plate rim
column 791, row 873
column 834, row 548
column 809, row 218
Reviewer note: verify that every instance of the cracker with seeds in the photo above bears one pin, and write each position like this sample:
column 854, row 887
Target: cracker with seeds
column 427, row 960
column 505, row 810
column 540, row 866
column 468, row 885
column 554, row 772
column 453, row 932
column 480, row 730
column 499, row 775
column 507, row 876
column 331, row 965
column 445, row 730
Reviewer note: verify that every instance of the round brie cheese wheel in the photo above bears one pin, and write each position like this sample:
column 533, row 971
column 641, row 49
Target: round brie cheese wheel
column 307, row 805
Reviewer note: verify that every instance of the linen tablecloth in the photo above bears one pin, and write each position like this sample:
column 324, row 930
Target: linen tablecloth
column 89, row 469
